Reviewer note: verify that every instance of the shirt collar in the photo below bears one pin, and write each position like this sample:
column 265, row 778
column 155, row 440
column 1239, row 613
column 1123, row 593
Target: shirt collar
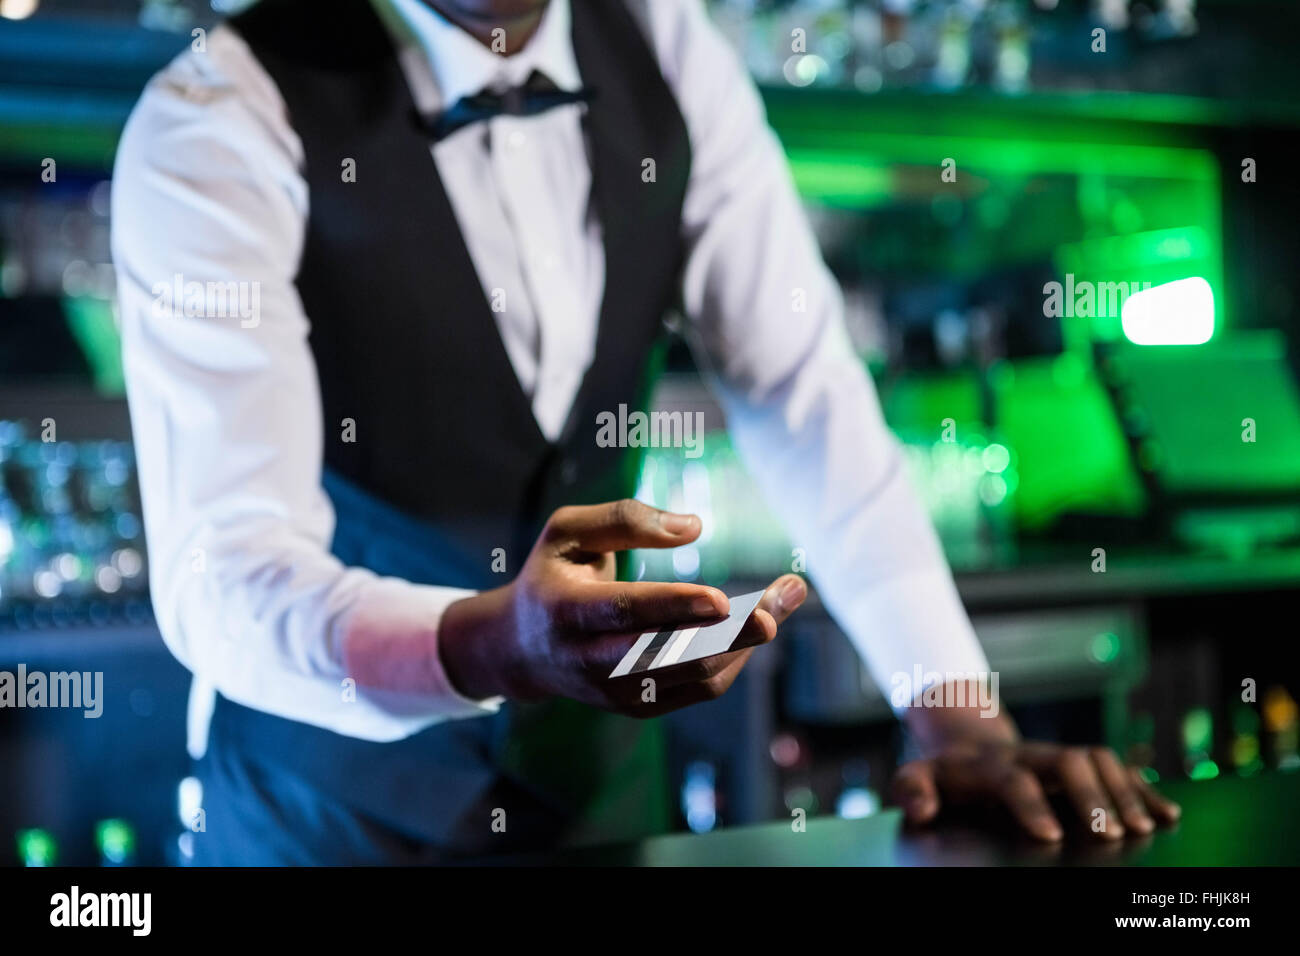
column 462, row 66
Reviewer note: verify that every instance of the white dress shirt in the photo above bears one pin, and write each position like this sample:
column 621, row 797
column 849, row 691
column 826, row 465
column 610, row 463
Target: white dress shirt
column 227, row 417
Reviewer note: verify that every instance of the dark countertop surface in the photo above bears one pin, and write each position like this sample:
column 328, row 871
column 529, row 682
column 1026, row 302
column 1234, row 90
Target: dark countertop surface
column 1229, row 821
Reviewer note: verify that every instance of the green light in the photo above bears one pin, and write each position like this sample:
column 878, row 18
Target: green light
column 1198, row 730
column 115, row 839
column 1204, row 770
column 1068, row 371
column 1105, row 648
column 1140, row 251
column 91, row 321
column 996, row 458
column 806, row 70
column 1175, row 313
column 1245, row 750
column 827, row 177
column 36, row 847
column 993, row 490
column 1175, row 247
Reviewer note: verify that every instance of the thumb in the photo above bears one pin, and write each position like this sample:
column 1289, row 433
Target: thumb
column 783, row 596
column 914, row 789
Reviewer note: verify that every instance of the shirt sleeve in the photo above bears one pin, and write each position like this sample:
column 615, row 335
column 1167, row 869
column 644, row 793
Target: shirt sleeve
column 208, row 220
column 766, row 318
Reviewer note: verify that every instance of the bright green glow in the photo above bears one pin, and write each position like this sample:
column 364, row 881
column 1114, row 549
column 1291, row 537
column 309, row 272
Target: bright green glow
column 1014, row 149
column 1069, row 371
column 115, row 839
column 1198, row 730
column 1139, row 250
column 824, row 176
column 1250, row 379
column 1069, row 449
column 36, row 847
column 92, row 322
column 1146, row 207
column 1056, row 115
column 1139, row 261
column 1204, row 770
column 1176, row 313
column 1105, row 648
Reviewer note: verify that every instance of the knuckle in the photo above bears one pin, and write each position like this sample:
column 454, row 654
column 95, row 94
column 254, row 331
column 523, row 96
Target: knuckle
column 624, row 513
column 560, row 518
column 1013, row 779
column 716, row 686
column 620, row 610
column 1073, row 759
column 1102, row 754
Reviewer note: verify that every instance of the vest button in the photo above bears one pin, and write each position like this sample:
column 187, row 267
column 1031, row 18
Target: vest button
column 569, row 471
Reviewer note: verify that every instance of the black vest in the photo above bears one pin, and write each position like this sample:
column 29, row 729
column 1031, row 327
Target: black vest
column 448, row 463
column 404, row 339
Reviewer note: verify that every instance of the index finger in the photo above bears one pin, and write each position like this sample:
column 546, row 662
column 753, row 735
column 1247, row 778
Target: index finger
column 618, row 526
column 624, row 606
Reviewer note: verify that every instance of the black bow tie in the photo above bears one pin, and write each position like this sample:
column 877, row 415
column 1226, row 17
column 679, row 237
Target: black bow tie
column 537, row 95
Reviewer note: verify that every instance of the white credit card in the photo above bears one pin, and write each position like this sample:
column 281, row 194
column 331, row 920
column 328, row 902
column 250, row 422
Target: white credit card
column 656, row 649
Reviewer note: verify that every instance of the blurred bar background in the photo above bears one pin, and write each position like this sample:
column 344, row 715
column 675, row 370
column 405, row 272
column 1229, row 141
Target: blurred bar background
column 1036, row 435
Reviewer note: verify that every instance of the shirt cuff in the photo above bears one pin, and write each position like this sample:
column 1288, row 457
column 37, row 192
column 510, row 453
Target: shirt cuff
column 908, row 629
column 402, row 620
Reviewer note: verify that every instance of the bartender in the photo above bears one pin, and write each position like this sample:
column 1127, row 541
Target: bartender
column 383, row 534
